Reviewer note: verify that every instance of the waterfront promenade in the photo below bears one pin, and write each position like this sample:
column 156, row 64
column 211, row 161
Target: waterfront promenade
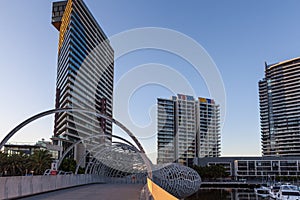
column 94, row 191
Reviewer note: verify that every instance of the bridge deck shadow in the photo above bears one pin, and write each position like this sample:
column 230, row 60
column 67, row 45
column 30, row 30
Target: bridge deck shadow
column 94, row 191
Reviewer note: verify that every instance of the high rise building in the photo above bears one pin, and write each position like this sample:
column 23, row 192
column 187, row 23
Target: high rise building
column 187, row 128
column 208, row 119
column 166, row 130
column 279, row 95
column 85, row 71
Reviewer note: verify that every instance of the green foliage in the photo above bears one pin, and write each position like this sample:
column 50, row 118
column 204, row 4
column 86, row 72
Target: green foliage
column 3, row 163
column 15, row 164
column 22, row 164
column 81, row 170
column 39, row 161
column 68, row 165
column 212, row 172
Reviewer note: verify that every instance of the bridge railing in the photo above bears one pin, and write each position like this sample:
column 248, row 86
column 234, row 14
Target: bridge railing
column 20, row 186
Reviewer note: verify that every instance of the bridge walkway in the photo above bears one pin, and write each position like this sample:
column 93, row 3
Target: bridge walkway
column 94, row 191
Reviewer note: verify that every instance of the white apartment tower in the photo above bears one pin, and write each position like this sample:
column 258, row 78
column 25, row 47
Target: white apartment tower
column 187, row 128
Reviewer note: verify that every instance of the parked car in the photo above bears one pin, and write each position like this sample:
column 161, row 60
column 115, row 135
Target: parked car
column 50, row 172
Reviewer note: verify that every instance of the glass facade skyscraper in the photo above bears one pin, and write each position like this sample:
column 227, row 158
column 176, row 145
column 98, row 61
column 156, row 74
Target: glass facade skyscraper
column 85, row 72
column 166, row 127
column 279, row 95
column 187, row 128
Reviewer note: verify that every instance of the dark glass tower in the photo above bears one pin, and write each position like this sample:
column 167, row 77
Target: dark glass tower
column 166, row 130
column 85, row 71
column 279, row 97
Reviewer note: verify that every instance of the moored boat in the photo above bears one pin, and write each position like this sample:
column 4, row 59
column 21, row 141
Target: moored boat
column 262, row 191
column 274, row 189
column 288, row 192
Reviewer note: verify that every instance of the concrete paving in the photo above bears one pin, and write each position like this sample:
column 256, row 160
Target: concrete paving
column 94, row 191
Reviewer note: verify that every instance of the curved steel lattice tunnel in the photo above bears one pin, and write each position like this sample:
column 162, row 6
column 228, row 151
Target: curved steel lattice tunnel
column 116, row 160
column 123, row 159
column 101, row 158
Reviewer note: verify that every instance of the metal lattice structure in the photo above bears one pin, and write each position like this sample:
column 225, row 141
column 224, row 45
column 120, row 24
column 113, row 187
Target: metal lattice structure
column 178, row 180
column 123, row 159
column 79, row 110
column 116, row 160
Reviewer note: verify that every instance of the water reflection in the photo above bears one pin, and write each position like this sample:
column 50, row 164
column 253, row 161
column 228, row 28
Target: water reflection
column 226, row 193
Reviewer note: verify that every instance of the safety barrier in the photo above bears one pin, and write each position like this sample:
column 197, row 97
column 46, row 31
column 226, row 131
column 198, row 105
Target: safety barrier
column 19, row 186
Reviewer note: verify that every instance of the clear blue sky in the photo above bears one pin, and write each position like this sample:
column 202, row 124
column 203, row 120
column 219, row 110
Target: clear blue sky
column 239, row 36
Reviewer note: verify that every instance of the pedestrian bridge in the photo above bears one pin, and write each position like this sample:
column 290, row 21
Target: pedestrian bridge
column 23, row 186
column 19, row 186
column 121, row 162
column 95, row 192
column 80, row 186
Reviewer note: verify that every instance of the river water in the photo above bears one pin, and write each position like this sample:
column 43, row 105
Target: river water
column 226, row 193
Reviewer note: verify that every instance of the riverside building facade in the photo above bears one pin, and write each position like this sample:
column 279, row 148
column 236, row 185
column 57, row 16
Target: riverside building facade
column 187, row 128
column 279, row 97
column 85, row 72
column 261, row 168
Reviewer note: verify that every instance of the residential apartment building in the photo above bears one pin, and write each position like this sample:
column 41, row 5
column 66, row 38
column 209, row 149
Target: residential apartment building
column 166, row 126
column 279, row 97
column 85, row 72
column 187, row 128
column 209, row 128
column 29, row 149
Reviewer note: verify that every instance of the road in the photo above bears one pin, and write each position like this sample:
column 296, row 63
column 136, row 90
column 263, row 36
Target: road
column 94, row 191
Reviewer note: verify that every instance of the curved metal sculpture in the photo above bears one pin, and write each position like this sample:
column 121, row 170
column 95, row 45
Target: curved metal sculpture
column 60, row 110
column 121, row 159
column 85, row 139
column 107, row 155
column 178, row 180
column 79, row 110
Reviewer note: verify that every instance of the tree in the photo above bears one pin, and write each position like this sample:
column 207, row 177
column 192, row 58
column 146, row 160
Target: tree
column 39, row 161
column 16, row 164
column 211, row 172
column 68, row 165
column 3, row 163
